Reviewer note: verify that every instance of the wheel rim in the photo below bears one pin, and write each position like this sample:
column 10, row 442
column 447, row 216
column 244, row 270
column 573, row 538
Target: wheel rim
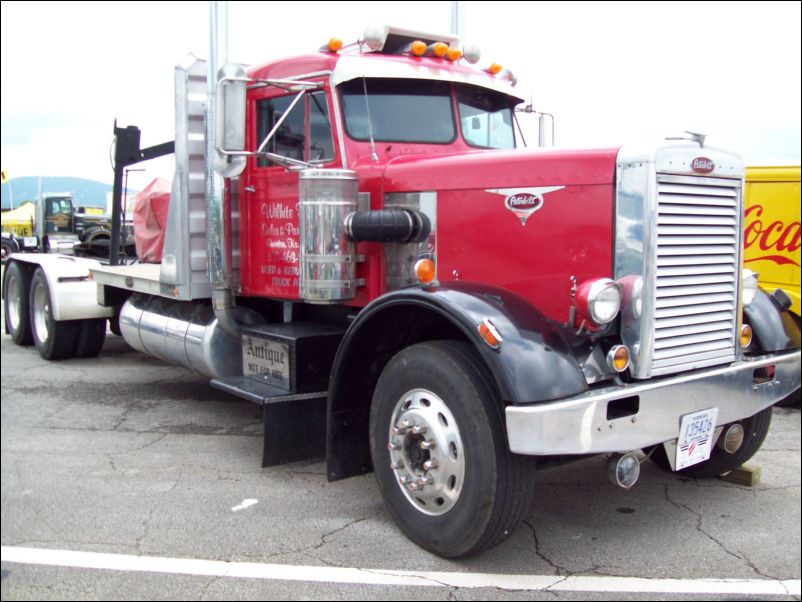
column 14, row 302
column 426, row 452
column 40, row 310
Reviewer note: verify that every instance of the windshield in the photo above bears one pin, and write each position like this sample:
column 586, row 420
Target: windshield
column 485, row 117
column 413, row 110
column 399, row 110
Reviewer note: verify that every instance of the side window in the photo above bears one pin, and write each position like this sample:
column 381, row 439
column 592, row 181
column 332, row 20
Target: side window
column 294, row 140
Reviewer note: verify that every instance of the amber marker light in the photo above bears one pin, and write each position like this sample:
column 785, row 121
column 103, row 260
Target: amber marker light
column 424, row 271
column 335, row 45
column 746, row 336
column 439, row 49
column 494, row 69
column 489, row 333
column 454, row 54
column 418, row 48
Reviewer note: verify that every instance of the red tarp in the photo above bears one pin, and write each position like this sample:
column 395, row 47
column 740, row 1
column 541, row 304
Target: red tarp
column 150, row 220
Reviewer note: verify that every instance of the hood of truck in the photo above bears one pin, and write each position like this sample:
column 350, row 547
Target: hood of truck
column 534, row 222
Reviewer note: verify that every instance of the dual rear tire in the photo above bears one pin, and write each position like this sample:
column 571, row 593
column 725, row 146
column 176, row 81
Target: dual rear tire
column 29, row 319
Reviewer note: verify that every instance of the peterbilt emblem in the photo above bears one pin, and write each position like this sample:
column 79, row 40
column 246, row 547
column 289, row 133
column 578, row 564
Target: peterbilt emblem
column 523, row 202
column 703, row 165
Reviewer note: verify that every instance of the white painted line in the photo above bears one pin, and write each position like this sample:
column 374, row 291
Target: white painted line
column 325, row 574
column 245, row 504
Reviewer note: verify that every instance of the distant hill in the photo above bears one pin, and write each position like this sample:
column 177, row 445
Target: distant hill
column 87, row 193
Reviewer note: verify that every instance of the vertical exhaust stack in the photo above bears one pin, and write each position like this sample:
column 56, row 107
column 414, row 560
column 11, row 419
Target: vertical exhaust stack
column 230, row 317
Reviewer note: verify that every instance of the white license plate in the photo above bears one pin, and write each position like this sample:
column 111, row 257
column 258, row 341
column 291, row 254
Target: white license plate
column 695, row 440
column 30, row 241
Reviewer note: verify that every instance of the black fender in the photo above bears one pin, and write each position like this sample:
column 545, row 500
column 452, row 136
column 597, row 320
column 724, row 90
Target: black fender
column 773, row 328
column 534, row 363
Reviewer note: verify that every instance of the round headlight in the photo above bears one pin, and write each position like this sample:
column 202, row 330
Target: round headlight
column 601, row 300
column 750, row 286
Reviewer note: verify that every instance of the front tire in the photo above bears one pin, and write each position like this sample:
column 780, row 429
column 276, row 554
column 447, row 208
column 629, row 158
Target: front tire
column 720, row 462
column 440, row 452
column 54, row 340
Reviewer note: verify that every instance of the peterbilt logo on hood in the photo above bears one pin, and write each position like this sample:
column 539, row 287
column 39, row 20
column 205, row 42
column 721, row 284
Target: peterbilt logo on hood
column 703, row 165
column 523, row 202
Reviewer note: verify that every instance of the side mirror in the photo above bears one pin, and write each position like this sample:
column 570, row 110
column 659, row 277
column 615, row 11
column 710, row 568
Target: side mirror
column 229, row 141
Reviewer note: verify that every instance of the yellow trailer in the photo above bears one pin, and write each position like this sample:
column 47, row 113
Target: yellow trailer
column 772, row 228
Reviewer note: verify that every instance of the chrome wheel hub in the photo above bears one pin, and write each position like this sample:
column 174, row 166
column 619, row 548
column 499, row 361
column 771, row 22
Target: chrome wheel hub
column 426, row 452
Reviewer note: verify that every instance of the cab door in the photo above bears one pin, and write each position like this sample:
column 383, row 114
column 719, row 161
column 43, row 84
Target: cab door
column 270, row 264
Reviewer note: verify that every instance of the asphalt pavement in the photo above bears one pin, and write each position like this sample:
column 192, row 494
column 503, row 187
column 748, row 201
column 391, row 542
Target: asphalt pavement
column 125, row 478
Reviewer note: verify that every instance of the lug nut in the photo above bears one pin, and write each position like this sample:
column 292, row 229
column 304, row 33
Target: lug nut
column 397, row 464
column 430, row 464
column 393, row 446
column 404, row 480
column 425, row 480
column 427, row 444
column 418, row 430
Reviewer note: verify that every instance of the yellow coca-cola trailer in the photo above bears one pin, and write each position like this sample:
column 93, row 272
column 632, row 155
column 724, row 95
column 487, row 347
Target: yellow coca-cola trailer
column 772, row 231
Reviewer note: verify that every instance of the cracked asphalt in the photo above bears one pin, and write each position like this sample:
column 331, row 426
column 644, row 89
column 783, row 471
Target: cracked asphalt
column 123, row 454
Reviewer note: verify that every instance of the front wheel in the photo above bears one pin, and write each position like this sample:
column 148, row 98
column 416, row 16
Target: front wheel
column 720, row 462
column 440, row 454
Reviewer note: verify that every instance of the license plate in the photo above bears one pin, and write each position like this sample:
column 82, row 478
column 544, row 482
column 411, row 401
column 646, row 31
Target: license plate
column 695, row 440
column 30, row 241
column 268, row 361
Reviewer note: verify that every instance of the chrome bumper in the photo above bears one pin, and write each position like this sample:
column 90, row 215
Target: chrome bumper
column 582, row 424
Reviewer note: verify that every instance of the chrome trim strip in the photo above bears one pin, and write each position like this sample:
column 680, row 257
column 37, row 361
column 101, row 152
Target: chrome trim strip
column 579, row 425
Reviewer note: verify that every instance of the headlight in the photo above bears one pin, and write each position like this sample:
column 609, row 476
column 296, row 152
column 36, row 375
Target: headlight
column 750, row 286
column 599, row 301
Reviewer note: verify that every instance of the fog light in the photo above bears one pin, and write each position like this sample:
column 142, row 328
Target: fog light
column 732, row 439
column 623, row 470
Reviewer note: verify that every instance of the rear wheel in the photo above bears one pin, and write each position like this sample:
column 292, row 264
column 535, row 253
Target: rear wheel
column 440, row 454
column 54, row 340
column 18, row 320
column 720, row 461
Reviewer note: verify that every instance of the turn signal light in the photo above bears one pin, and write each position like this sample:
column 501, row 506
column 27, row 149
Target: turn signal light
column 425, row 271
column 746, row 336
column 494, row 69
column 618, row 358
column 335, row 45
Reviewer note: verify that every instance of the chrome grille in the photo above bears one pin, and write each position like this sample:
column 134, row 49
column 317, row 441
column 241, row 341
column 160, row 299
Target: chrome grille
column 697, row 259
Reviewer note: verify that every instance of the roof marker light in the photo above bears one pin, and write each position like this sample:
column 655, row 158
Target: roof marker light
column 418, row 48
column 453, row 54
column 494, row 69
column 439, row 49
column 335, row 45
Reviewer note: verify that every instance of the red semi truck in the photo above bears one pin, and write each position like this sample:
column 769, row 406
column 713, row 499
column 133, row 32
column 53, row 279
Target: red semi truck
column 356, row 242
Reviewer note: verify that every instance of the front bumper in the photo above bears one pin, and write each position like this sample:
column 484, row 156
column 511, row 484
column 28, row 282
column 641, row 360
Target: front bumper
column 652, row 410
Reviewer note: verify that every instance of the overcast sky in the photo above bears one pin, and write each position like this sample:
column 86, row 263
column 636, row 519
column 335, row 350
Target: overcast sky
column 610, row 72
